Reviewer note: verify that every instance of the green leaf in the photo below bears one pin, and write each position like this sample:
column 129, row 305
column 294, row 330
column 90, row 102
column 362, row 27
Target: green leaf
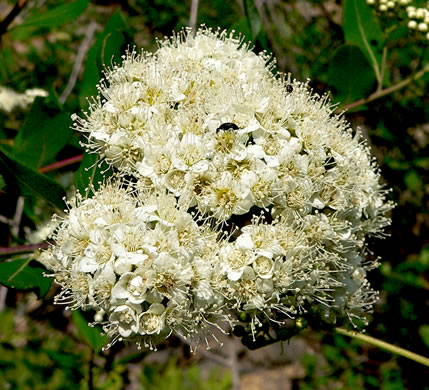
column 27, row 181
column 350, row 74
column 91, row 335
column 424, row 334
column 253, row 18
column 90, row 172
column 21, row 275
column 422, row 162
column 362, row 29
column 413, row 181
column 65, row 360
column 42, row 136
column 58, row 16
column 395, row 164
column 107, row 48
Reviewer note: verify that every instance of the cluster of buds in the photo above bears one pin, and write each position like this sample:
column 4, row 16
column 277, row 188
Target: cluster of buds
column 238, row 197
column 417, row 17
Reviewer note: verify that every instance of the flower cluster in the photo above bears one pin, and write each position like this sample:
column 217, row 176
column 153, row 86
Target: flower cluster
column 11, row 100
column 138, row 258
column 417, row 17
column 237, row 193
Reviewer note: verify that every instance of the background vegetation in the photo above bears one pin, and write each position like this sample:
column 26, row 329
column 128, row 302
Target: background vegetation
column 381, row 76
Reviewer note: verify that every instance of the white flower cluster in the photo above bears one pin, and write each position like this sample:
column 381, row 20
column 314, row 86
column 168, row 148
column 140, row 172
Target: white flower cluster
column 11, row 100
column 418, row 17
column 238, row 192
column 140, row 259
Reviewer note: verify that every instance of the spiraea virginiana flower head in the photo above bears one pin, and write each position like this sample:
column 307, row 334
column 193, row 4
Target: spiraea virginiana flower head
column 250, row 198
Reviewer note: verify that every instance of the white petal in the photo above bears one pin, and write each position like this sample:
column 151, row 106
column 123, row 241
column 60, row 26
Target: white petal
column 88, row 264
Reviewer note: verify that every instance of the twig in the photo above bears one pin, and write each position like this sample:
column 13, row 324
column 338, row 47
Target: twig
column 16, row 222
column 83, row 48
column 14, row 12
column 61, row 164
column 193, row 15
column 13, row 250
column 3, row 295
column 387, row 91
column 5, row 220
column 382, row 344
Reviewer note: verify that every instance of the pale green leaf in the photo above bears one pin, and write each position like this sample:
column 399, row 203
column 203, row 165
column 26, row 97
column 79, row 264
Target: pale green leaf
column 362, row 29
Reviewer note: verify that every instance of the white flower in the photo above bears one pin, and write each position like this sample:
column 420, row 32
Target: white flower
column 235, row 260
column 131, row 286
column 125, row 318
column 263, row 266
column 152, row 321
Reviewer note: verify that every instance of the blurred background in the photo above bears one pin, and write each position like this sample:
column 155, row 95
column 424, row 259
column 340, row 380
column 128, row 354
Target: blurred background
column 60, row 48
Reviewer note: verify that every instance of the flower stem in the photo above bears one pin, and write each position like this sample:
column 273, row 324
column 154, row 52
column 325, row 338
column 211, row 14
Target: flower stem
column 61, row 164
column 387, row 91
column 5, row 23
column 382, row 344
column 13, row 250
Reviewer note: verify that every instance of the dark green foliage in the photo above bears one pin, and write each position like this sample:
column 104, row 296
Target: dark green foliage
column 28, row 182
column 91, row 335
column 362, row 29
column 42, row 135
column 55, row 17
column 350, row 74
column 23, row 274
column 253, row 18
column 107, row 49
column 90, row 173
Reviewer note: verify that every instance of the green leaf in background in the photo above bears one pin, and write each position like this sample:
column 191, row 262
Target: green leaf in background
column 89, row 172
column 21, row 275
column 64, row 13
column 107, row 48
column 424, row 334
column 350, row 74
column 362, row 29
column 7, row 62
column 42, row 136
column 65, row 360
column 92, row 335
column 253, row 18
column 29, row 182
column 422, row 162
column 413, row 181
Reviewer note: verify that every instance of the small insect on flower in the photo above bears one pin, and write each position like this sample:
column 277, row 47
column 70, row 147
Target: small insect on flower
column 227, row 126
column 289, row 88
